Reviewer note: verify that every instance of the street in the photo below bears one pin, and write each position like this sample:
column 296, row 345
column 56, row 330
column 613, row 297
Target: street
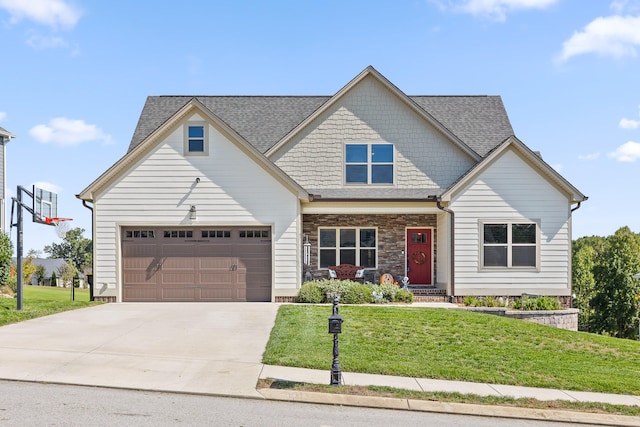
column 35, row 404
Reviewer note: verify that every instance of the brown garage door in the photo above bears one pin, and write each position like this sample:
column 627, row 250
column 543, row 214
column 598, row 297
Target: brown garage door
column 196, row 264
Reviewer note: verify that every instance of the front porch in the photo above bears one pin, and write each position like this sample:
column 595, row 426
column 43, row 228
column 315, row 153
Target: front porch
column 403, row 245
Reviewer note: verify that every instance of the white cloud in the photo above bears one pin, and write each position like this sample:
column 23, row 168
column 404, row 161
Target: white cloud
column 629, row 123
column 615, row 36
column 39, row 42
column 52, row 13
column 68, row 132
column 592, row 156
column 3, row 116
column 48, row 186
column 494, row 9
column 622, row 6
column 627, row 152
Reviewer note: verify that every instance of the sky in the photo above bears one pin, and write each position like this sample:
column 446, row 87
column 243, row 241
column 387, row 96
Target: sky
column 75, row 75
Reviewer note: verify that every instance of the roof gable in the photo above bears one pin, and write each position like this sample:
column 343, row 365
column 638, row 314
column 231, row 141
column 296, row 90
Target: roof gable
column 191, row 106
column 531, row 157
column 373, row 73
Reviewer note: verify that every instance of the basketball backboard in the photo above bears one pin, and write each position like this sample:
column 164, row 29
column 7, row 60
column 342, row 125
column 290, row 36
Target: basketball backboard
column 45, row 204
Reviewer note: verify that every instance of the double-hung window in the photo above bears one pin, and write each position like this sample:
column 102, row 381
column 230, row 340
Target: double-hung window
column 369, row 163
column 357, row 246
column 195, row 139
column 509, row 245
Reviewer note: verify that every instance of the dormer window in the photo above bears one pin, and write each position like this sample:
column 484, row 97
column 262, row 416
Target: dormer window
column 195, row 139
column 369, row 163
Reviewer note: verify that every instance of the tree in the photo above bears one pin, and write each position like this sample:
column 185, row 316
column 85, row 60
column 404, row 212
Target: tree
column 40, row 273
column 34, row 253
column 28, row 270
column 74, row 248
column 586, row 252
column 6, row 251
column 617, row 294
column 67, row 272
column 54, row 279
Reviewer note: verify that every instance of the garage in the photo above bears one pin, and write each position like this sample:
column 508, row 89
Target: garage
column 206, row 264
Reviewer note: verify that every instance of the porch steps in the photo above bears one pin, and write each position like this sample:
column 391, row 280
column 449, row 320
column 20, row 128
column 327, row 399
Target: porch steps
column 428, row 294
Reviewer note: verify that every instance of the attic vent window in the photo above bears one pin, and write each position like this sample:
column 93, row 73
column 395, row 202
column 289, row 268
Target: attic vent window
column 196, row 139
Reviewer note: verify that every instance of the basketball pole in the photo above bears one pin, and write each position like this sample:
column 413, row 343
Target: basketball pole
column 19, row 242
column 19, row 253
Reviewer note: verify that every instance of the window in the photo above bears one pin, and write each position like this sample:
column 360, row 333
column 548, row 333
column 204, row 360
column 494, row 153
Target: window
column 369, row 163
column 216, row 234
column 357, row 246
column 196, row 139
column 509, row 245
column 173, row 234
column 140, row 234
column 254, row 234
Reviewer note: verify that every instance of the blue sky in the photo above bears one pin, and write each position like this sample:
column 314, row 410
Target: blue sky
column 76, row 73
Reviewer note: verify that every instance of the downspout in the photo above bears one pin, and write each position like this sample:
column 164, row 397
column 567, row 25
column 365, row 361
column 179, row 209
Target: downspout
column 452, row 221
column 576, row 208
column 93, row 242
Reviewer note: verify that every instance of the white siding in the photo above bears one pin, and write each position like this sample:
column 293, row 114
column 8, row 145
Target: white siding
column 511, row 190
column 160, row 188
column 371, row 113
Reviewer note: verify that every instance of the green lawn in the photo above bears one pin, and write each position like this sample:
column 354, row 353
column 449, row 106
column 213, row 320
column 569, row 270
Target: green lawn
column 40, row 301
column 455, row 345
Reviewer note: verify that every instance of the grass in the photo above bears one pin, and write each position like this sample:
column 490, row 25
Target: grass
column 38, row 301
column 563, row 405
column 455, row 345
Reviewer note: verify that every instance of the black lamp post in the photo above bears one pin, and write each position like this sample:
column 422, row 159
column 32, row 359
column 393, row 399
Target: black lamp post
column 335, row 328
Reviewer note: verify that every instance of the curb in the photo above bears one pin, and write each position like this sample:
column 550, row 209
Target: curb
column 450, row 408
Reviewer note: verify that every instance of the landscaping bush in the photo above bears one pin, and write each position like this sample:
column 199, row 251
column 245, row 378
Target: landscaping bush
column 539, row 303
column 311, row 292
column 470, row 301
column 404, row 296
column 316, row 291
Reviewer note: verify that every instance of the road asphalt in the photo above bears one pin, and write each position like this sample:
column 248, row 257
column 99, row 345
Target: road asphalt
column 216, row 349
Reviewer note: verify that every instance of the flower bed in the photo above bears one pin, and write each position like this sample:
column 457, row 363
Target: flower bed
column 319, row 291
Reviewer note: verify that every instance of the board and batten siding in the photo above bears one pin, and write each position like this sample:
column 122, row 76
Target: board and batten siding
column 370, row 113
column 159, row 189
column 510, row 189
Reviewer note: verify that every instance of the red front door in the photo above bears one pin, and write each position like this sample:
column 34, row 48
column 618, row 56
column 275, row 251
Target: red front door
column 419, row 252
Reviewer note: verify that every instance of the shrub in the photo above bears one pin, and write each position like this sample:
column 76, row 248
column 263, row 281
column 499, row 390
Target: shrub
column 404, row 296
column 357, row 293
column 538, row 303
column 385, row 292
column 311, row 292
column 471, row 301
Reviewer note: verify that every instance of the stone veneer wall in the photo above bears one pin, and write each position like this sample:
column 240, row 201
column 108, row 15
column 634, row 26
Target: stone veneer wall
column 391, row 237
column 563, row 319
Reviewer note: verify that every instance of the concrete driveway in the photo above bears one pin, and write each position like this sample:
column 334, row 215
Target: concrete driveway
column 211, row 348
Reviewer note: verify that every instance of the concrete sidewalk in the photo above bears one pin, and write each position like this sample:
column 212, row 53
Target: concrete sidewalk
column 429, row 385
column 313, row 376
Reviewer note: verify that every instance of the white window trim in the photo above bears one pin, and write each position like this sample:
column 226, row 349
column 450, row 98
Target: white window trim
column 369, row 164
column 205, row 126
column 356, row 248
column 510, row 245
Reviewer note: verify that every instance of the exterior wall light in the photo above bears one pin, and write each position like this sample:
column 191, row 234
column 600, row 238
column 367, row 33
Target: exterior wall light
column 192, row 212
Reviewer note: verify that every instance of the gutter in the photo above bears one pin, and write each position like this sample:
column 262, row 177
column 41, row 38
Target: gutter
column 576, row 208
column 452, row 220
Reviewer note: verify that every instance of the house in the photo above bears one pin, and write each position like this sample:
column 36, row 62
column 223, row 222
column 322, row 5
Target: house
column 234, row 198
column 50, row 265
column 5, row 137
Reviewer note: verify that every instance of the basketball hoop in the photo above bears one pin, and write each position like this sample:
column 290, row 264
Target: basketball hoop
column 62, row 225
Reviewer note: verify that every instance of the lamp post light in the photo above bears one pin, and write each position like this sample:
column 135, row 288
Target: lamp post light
column 335, row 328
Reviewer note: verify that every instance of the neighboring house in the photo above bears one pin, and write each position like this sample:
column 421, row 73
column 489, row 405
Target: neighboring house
column 5, row 137
column 51, row 265
column 217, row 197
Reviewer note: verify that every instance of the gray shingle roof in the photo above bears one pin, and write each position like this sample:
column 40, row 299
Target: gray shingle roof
column 479, row 121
